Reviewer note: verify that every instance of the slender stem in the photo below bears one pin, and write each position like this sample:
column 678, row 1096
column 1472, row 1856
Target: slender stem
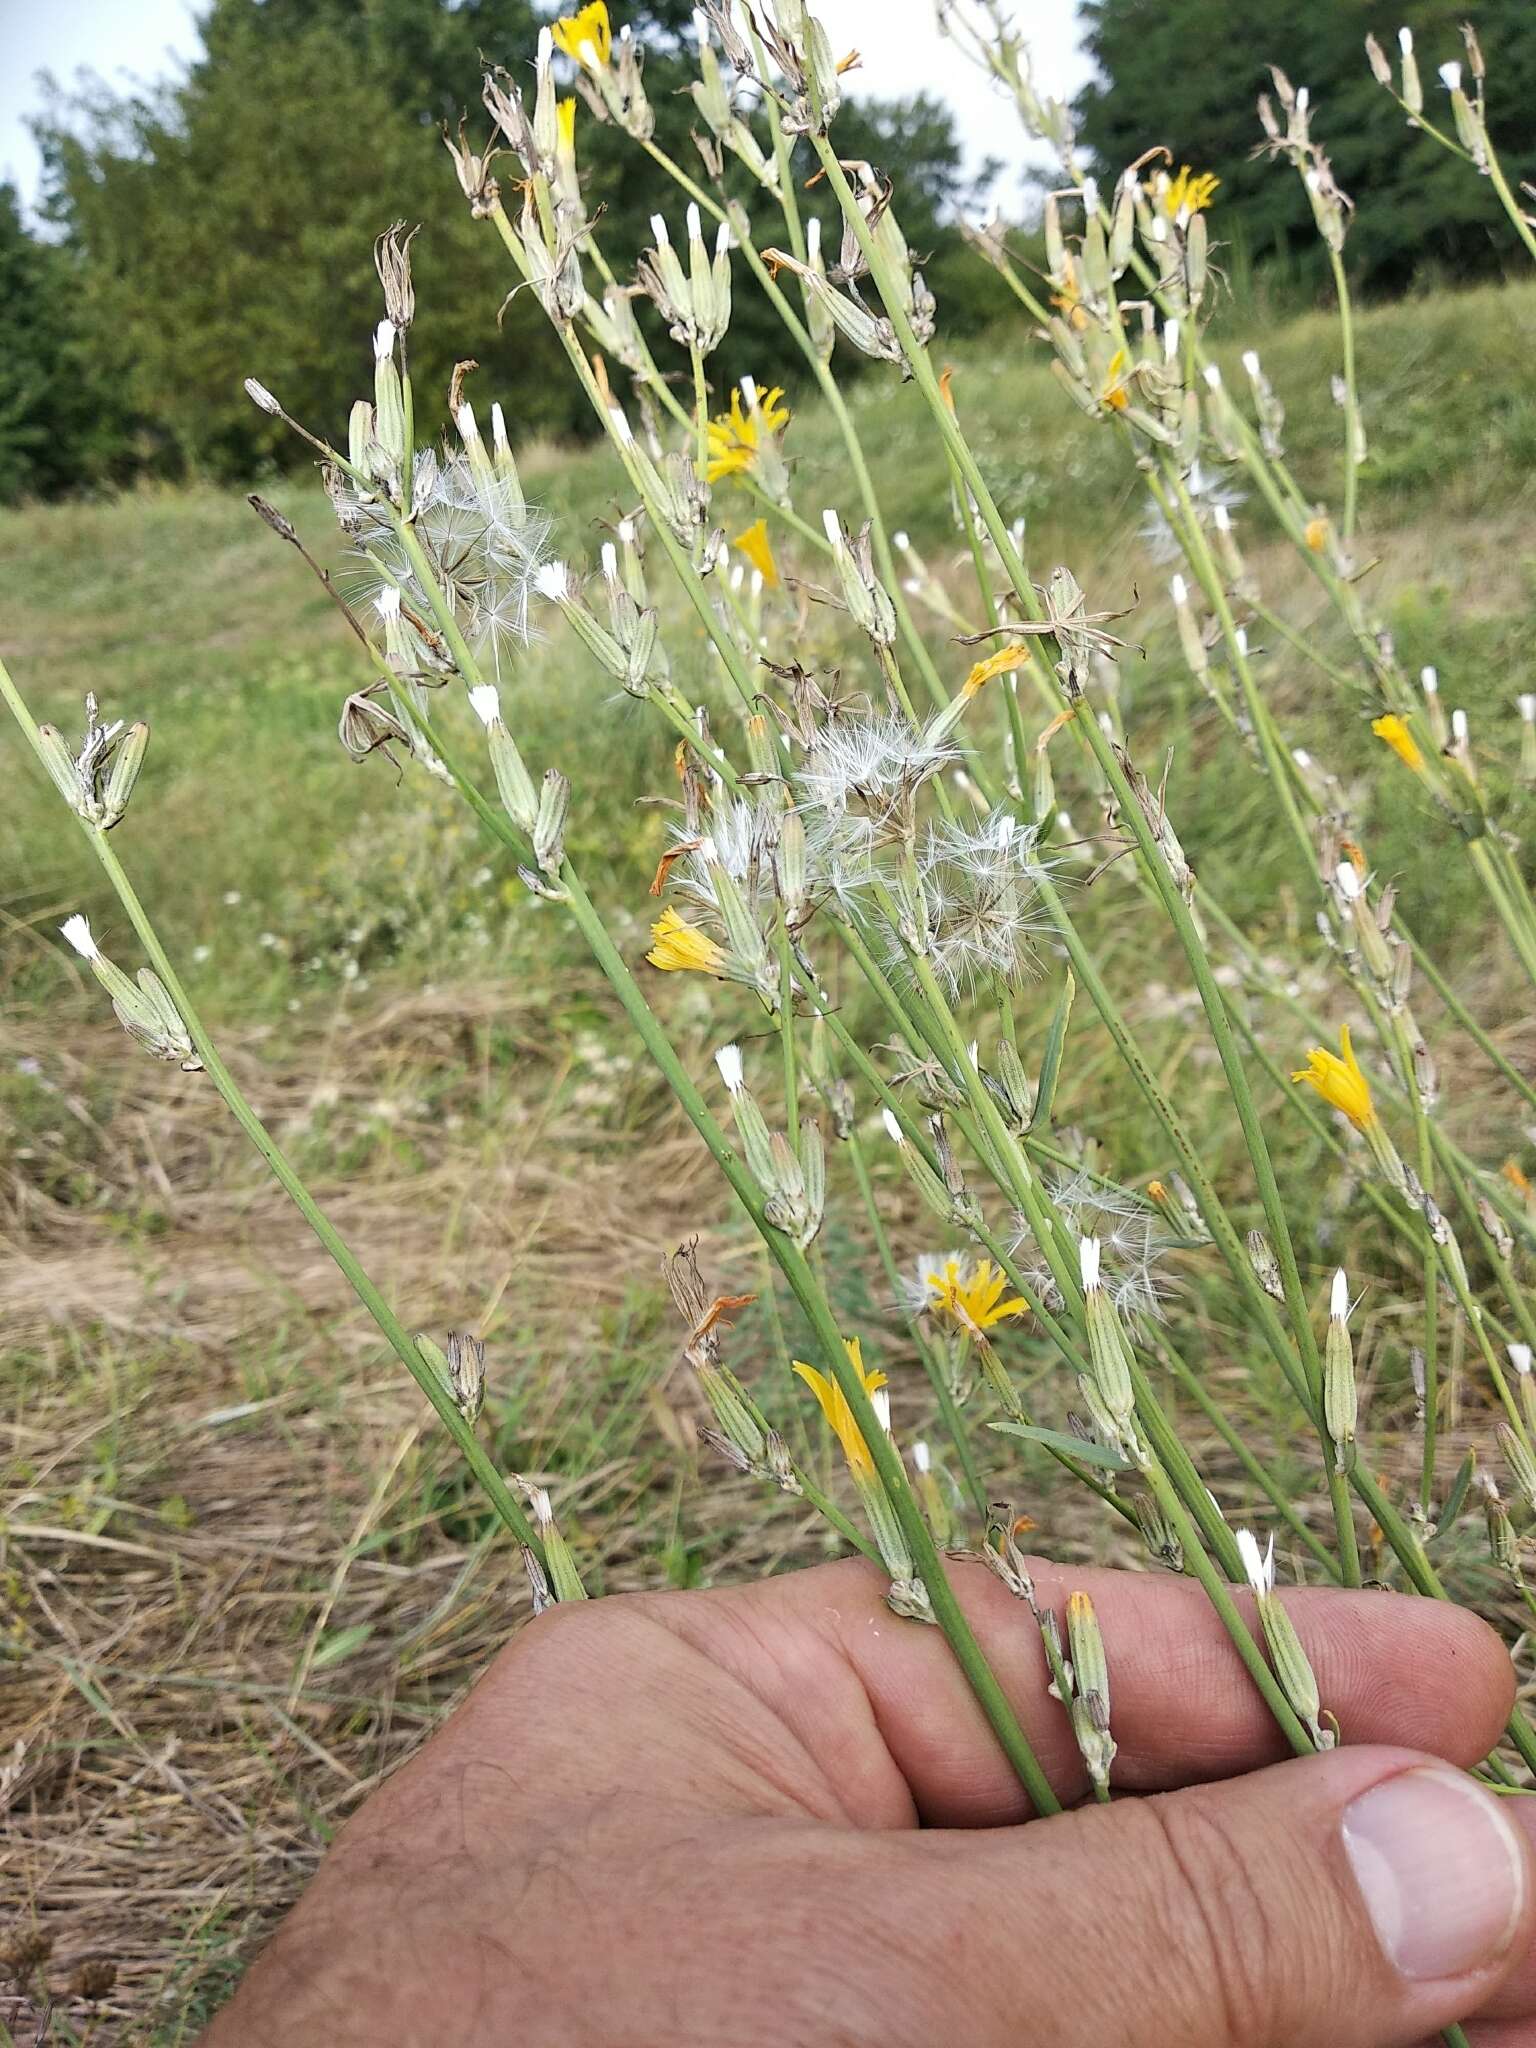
column 1351, row 394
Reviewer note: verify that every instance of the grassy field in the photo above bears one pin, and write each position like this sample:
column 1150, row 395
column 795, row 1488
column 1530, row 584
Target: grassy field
column 239, row 1572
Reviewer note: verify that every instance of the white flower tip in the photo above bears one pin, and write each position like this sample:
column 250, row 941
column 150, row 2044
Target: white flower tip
column 1178, row 589
column 694, row 223
column 78, row 932
column 1090, row 196
column 880, row 1401
column 1459, row 724
column 1258, row 1565
column 748, row 388
column 1212, row 376
column 550, row 580
column 728, row 1060
column 722, row 238
column 893, row 1129
column 1240, row 638
column 832, row 527
column 1527, row 703
column 464, row 420
column 813, row 238
column 701, row 24
column 626, row 532
column 1450, row 76
column 1088, row 1251
column 546, row 46
column 1338, row 1306
column 388, row 601
column 610, row 560
column 485, row 702
column 621, row 426
column 383, row 340
column 1303, row 98
column 499, row 427
column 1520, row 1357
column 901, row 539
column 1348, row 878
column 1223, row 519
column 1251, row 361
column 1301, row 757
column 921, row 1459
column 659, row 230
column 1405, row 41
column 1170, row 339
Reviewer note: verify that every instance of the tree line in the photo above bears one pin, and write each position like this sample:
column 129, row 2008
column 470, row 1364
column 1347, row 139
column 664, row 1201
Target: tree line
column 221, row 225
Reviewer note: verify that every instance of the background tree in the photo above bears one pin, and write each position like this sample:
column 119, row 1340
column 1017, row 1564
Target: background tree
column 222, row 226
column 1186, row 74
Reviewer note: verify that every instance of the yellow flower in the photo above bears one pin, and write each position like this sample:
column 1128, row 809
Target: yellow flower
column 735, row 436
column 754, row 545
column 1190, row 192
column 834, row 1405
column 1395, row 732
column 971, row 1296
column 1340, row 1082
column 587, row 29
column 678, row 946
column 1315, row 534
column 565, row 119
column 1014, row 655
column 1114, row 393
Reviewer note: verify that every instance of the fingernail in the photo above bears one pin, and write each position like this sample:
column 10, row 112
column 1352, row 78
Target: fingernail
column 1441, row 1869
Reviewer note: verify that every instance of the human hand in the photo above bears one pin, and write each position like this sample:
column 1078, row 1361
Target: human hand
column 774, row 1815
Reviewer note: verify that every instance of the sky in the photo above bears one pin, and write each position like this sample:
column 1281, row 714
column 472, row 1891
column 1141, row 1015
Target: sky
column 126, row 40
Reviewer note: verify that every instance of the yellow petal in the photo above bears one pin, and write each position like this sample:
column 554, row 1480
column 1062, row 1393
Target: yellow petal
column 1013, row 656
column 677, row 946
column 1394, row 731
column 754, row 544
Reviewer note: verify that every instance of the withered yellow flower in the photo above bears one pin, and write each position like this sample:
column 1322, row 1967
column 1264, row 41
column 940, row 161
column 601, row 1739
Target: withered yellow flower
column 1190, row 192
column 1339, row 1081
column 1315, row 533
column 1395, row 732
column 1014, row 655
column 972, row 1294
column 1114, row 394
column 736, row 436
column 834, row 1406
column 680, row 947
column 586, row 29
column 754, row 544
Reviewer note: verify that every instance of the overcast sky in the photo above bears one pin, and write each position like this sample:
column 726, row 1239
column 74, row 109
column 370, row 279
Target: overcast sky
column 144, row 39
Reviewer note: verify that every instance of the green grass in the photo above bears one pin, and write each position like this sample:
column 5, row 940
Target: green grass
column 433, row 1049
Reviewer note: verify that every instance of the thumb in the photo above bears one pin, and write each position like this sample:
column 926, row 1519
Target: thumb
column 1360, row 1899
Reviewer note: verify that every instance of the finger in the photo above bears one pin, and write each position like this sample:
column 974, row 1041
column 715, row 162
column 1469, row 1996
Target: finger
column 1183, row 1708
column 1362, row 1899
